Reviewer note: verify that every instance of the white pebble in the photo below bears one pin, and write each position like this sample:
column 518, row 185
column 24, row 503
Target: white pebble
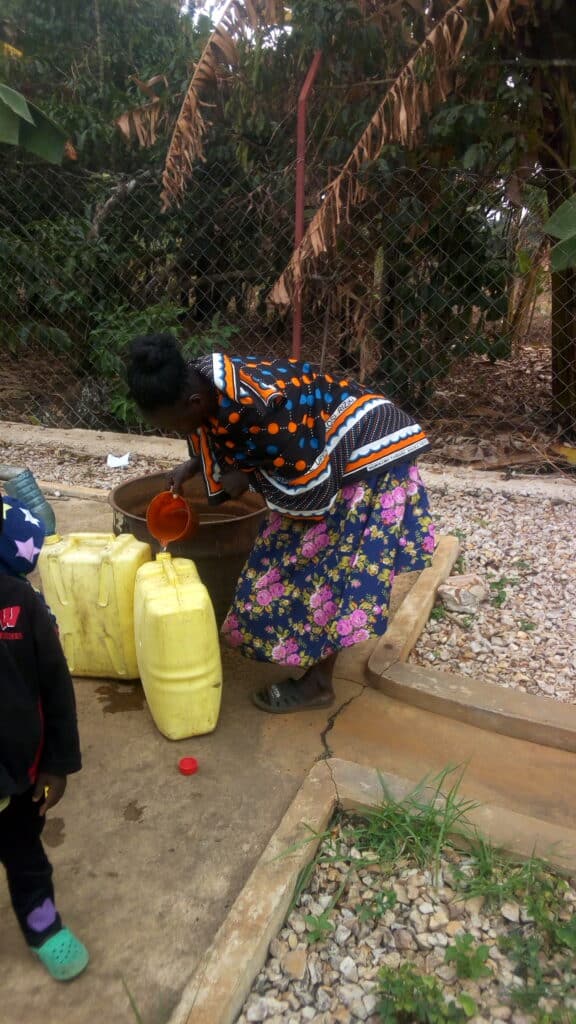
column 511, row 912
column 342, row 934
column 348, row 969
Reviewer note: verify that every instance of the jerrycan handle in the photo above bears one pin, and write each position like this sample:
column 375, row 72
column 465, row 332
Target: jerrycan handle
column 105, row 581
column 55, row 568
column 165, row 559
column 106, row 575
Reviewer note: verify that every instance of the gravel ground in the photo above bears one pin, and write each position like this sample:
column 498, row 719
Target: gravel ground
column 524, row 636
column 69, row 468
column 333, row 980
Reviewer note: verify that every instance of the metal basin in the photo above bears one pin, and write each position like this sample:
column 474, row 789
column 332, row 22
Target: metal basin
column 224, row 539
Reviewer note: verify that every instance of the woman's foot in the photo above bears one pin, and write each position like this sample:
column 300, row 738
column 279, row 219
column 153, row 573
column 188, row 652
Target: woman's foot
column 313, row 690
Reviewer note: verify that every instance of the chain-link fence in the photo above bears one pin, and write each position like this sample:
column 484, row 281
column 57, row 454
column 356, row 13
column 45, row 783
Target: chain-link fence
column 438, row 291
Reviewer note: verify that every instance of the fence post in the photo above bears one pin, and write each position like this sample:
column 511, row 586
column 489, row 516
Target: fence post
column 300, row 182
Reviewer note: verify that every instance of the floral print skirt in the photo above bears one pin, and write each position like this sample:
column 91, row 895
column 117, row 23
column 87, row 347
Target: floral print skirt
column 309, row 589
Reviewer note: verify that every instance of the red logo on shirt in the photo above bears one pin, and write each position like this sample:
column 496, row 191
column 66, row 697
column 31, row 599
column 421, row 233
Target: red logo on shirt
column 9, row 617
column 8, row 620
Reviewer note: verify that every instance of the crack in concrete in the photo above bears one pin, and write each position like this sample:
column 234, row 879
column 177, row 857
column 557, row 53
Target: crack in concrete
column 328, row 752
column 330, row 777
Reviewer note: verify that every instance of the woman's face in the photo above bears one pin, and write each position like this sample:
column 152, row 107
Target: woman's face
column 182, row 417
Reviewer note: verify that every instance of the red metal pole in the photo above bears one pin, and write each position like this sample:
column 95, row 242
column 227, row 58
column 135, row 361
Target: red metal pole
column 300, row 184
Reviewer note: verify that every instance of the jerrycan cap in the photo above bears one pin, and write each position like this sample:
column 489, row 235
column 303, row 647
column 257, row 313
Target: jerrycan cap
column 188, row 765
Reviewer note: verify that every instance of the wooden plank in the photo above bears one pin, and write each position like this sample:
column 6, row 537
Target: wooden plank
column 486, row 705
column 413, row 614
column 223, row 980
column 352, row 662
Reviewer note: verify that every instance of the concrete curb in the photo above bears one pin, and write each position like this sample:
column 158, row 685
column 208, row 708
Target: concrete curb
column 96, row 442
column 520, row 835
column 57, row 491
column 219, row 986
column 91, row 442
column 485, row 705
column 560, row 488
column 223, row 979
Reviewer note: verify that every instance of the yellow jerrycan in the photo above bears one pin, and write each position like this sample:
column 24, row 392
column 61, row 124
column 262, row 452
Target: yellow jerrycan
column 177, row 647
column 88, row 580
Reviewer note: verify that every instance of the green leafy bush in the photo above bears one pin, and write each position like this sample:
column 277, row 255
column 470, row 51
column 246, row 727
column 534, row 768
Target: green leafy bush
column 407, row 997
column 109, row 340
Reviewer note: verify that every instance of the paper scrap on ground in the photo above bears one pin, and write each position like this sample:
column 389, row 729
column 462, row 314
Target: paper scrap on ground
column 118, row 460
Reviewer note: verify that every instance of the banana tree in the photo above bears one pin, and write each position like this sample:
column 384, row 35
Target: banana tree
column 562, row 226
column 424, row 83
column 439, row 41
column 24, row 124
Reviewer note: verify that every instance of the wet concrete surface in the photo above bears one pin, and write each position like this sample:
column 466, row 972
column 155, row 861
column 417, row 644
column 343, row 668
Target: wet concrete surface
column 116, row 698
column 148, row 861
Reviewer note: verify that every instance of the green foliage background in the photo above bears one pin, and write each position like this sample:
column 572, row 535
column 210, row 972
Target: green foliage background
column 86, row 256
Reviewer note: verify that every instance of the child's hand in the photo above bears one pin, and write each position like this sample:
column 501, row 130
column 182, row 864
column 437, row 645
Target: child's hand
column 50, row 789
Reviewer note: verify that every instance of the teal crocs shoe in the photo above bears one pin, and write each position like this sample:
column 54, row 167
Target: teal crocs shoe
column 63, row 955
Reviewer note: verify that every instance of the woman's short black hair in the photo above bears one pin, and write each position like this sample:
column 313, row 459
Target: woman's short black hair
column 156, row 371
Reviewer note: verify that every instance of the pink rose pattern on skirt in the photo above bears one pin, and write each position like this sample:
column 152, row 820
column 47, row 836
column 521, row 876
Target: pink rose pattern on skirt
column 310, row 589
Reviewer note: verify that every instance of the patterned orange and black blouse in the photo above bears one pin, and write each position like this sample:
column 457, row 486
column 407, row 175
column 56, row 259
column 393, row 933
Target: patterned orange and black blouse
column 300, row 433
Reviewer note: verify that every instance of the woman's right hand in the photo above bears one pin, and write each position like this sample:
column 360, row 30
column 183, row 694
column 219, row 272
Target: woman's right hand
column 180, row 474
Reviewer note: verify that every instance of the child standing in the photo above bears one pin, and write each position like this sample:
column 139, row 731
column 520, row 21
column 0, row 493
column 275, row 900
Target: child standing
column 39, row 744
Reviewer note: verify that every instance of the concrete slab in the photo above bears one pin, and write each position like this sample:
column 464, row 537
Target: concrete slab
column 538, row 781
column 74, row 515
column 218, row 988
column 147, row 862
column 224, row 977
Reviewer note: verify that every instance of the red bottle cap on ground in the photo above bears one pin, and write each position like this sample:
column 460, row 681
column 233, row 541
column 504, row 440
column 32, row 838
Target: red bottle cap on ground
column 188, row 765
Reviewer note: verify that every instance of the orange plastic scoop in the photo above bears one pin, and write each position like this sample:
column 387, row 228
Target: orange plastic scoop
column 170, row 518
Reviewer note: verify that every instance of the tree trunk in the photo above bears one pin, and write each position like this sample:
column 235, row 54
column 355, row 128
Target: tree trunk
column 552, row 43
column 564, row 348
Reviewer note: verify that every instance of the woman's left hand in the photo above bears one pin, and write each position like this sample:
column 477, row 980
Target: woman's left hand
column 235, row 483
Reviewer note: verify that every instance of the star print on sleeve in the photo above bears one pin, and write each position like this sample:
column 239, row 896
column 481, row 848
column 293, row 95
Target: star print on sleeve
column 27, row 549
column 28, row 517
